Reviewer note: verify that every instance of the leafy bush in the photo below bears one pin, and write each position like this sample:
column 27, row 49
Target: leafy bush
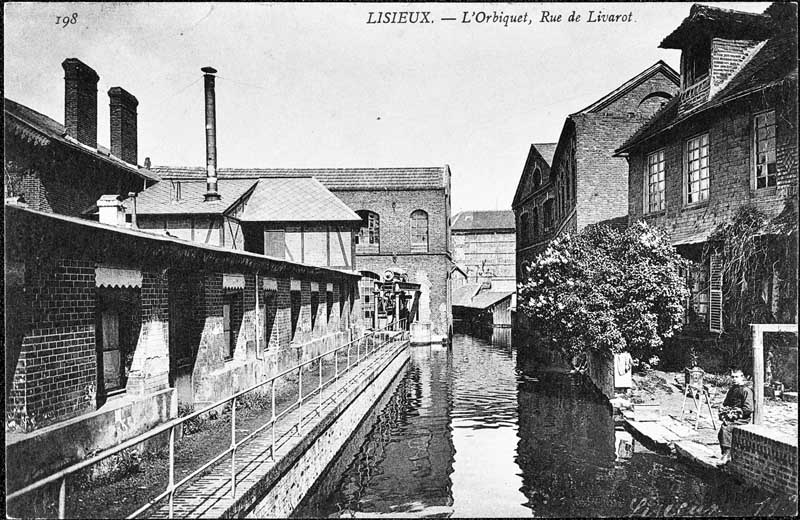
column 606, row 290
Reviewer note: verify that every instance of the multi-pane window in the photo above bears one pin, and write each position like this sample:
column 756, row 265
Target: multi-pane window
column 698, row 283
column 655, row 181
column 419, row 230
column 370, row 228
column 697, row 169
column 764, row 152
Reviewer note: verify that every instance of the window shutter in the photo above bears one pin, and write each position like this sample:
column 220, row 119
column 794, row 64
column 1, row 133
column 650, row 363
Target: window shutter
column 715, row 294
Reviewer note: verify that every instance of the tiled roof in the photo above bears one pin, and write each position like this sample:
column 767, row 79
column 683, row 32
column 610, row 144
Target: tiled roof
column 484, row 220
column 774, row 64
column 294, row 199
column 723, row 23
column 158, row 199
column 36, row 126
column 331, row 178
column 464, row 296
column 547, row 151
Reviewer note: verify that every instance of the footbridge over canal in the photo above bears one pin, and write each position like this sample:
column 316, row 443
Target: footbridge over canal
column 267, row 472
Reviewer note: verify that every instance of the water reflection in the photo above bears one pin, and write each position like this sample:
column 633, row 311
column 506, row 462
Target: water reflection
column 468, row 433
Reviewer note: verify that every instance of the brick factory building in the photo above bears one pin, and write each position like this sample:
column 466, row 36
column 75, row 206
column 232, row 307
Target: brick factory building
column 582, row 182
column 60, row 168
column 110, row 329
column 728, row 140
column 405, row 216
column 484, row 244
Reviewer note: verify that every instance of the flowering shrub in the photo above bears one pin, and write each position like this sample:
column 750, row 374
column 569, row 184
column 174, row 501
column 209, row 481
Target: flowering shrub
column 606, row 290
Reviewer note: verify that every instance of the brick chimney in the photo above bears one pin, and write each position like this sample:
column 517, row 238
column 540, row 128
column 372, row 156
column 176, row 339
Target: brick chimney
column 80, row 101
column 123, row 124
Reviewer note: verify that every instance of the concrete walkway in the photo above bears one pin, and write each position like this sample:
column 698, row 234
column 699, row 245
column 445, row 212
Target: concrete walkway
column 209, row 496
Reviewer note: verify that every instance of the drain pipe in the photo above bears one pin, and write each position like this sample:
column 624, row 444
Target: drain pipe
column 258, row 315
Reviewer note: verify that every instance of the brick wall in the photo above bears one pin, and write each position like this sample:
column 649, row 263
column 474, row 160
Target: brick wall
column 764, row 458
column 730, row 170
column 429, row 269
column 602, row 180
column 150, row 366
column 395, row 208
column 55, row 374
column 57, row 179
column 634, row 102
column 726, row 57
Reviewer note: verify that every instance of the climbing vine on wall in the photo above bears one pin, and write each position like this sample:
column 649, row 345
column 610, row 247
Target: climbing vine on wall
column 759, row 274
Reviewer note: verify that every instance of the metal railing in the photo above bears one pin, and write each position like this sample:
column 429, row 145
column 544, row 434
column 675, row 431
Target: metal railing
column 364, row 346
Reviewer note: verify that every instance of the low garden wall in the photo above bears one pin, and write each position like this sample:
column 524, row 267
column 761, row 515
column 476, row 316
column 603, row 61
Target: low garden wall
column 765, row 458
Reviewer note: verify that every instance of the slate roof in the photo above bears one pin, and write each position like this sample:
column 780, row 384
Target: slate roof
column 484, row 220
column 723, row 23
column 547, row 151
column 331, row 178
column 157, row 200
column 464, row 296
column 772, row 65
column 106, row 243
column 271, row 199
column 294, row 199
column 37, row 127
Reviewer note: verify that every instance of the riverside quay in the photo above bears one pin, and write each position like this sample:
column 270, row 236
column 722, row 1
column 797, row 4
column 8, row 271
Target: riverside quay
column 345, row 276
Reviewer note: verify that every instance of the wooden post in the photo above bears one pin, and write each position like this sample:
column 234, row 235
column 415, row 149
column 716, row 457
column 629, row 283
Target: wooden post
column 758, row 373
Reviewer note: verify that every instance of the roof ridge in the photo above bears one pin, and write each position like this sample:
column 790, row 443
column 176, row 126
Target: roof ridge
column 26, row 107
column 630, row 84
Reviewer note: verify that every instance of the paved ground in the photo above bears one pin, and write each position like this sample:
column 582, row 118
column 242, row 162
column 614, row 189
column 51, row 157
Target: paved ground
column 676, row 430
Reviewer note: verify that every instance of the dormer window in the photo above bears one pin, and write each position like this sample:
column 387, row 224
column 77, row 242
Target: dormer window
column 696, row 63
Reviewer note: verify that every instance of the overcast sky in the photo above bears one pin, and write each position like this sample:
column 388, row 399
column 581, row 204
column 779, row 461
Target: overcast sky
column 317, row 86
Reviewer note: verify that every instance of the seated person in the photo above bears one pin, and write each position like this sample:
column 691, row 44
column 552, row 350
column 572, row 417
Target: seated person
column 736, row 409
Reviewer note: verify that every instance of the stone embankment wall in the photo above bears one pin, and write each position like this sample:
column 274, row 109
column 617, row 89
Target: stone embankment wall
column 765, row 458
column 284, row 491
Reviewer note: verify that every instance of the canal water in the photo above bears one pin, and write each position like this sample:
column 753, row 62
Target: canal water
column 470, row 431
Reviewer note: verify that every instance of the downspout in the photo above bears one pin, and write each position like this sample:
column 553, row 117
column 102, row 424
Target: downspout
column 258, row 316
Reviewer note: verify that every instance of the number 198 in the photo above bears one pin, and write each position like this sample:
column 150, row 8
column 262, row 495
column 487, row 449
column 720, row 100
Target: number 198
column 64, row 21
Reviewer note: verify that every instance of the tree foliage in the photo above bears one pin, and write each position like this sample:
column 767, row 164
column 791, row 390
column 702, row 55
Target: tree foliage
column 606, row 290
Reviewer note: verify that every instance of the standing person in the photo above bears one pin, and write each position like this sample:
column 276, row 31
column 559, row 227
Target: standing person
column 736, row 409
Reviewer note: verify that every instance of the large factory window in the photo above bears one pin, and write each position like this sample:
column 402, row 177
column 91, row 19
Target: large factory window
column 419, row 231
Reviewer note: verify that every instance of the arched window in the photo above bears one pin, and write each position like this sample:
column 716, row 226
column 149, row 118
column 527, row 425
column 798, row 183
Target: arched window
column 369, row 234
column 524, row 226
column 537, row 177
column 419, row 230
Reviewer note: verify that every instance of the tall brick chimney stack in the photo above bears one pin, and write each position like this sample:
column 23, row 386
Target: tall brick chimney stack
column 123, row 124
column 80, row 101
column 211, row 134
